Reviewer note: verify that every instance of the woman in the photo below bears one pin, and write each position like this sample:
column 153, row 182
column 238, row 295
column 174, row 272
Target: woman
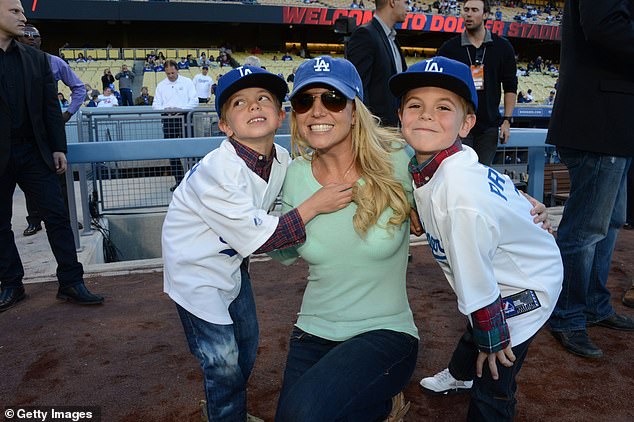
column 355, row 344
column 63, row 102
column 106, row 79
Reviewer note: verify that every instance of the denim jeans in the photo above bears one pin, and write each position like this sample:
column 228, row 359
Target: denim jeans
column 491, row 400
column 226, row 354
column 353, row 380
column 485, row 144
column 27, row 169
column 592, row 216
column 126, row 97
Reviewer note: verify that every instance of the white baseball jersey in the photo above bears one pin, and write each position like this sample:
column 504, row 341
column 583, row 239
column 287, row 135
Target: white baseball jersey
column 203, row 85
column 217, row 217
column 481, row 233
column 178, row 94
column 107, row 101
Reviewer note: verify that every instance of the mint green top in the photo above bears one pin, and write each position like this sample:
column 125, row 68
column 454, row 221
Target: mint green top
column 355, row 285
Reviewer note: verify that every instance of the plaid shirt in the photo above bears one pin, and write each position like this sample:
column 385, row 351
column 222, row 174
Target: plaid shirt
column 490, row 330
column 290, row 229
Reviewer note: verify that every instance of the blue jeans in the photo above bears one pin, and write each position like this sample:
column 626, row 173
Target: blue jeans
column 27, row 169
column 592, row 217
column 491, row 400
column 226, row 354
column 353, row 380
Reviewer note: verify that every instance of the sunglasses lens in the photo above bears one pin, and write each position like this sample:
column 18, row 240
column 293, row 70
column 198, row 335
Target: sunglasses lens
column 332, row 100
column 31, row 34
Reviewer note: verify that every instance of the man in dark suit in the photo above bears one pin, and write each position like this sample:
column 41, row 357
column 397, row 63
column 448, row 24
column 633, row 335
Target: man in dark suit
column 590, row 125
column 32, row 151
column 376, row 54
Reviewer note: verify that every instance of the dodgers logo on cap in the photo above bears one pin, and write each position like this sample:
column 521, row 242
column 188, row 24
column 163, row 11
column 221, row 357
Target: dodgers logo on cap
column 339, row 74
column 248, row 77
column 440, row 72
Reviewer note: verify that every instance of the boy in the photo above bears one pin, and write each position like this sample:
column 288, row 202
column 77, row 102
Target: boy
column 505, row 270
column 217, row 218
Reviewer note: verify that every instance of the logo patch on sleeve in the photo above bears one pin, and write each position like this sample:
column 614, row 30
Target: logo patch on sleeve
column 520, row 303
column 257, row 221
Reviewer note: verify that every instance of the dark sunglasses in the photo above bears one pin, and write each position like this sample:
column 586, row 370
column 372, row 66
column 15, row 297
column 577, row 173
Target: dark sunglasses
column 29, row 34
column 333, row 101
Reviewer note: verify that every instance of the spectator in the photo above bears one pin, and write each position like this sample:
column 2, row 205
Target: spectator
column 148, row 67
column 252, row 61
column 202, row 83
column 125, row 78
column 377, row 56
column 107, row 99
column 93, row 101
column 159, row 65
column 145, row 99
column 550, row 100
column 106, row 79
column 191, row 61
column 63, row 102
column 80, row 58
column 174, row 94
column 183, row 64
column 287, row 57
column 203, row 60
column 521, row 98
column 529, row 96
column 597, row 145
column 291, row 76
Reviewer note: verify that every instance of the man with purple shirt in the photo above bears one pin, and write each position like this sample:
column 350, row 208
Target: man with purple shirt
column 61, row 72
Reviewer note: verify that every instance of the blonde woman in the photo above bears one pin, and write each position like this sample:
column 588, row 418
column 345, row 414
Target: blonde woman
column 354, row 346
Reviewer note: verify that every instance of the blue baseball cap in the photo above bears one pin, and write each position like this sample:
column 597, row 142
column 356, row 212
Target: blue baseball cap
column 337, row 73
column 440, row 72
column 248, row 77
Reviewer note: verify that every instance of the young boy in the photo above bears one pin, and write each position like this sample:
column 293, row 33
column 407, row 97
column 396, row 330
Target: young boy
column 217, row 218
column 505, row 270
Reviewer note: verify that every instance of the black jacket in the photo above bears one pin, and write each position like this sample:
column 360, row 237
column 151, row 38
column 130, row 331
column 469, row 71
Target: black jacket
column 42, row 105
column 595, row 102
column 500, row 71
column 370, row 52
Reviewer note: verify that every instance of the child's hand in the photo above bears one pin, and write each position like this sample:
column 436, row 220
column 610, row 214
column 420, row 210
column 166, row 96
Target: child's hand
column 540, row 212
column 415, row 227
column 330, row 198
column 505, row 356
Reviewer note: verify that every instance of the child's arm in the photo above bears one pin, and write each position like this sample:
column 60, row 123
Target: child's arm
column 540, row 212
column 291, row 229
column 491, row 335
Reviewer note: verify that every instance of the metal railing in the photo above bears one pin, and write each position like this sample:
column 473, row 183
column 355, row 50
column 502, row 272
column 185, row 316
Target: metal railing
column 85, row 157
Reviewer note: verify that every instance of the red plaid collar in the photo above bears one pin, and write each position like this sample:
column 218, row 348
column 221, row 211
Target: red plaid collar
column 423, row 172
column 256, row 162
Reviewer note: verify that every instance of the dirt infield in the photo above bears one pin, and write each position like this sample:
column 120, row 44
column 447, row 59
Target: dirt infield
column 130, row 357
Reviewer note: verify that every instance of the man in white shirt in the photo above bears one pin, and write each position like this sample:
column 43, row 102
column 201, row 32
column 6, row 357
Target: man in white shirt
column 107, row 99
column 174, row 94
column 203, row 83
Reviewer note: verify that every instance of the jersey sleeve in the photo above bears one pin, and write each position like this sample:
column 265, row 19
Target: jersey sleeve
column 229, row 210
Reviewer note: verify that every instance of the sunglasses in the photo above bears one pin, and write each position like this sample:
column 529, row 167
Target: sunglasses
column 333, row 101
column 29, row 34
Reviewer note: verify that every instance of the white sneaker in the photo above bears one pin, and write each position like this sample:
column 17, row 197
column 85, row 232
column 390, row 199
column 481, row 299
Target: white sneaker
column 444, row 383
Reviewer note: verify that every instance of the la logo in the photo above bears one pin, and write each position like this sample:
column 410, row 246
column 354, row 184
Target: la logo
column 321, row 65
column 433, row 67
column 243, row 71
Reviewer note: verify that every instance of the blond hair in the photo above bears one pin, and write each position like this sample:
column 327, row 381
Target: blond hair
column 372, row 146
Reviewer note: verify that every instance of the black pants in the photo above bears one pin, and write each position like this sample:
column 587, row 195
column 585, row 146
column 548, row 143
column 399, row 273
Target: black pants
column 491, row 400
column 173, row 127
column 33, row 214
column 27, row 169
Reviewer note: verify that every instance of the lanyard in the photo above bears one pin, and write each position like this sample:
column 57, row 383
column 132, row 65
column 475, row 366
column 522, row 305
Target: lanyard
column 481, row 61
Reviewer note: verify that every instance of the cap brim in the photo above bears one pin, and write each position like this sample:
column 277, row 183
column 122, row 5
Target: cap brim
column 401, row 83
column 272, row 83
column 320, row 80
